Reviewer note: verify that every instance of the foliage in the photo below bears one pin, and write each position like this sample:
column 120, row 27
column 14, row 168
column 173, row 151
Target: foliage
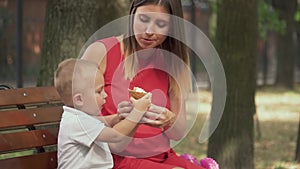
column 297, row 14
column 5, row 20
column 213, row 25
column 6, row 41
column 268, row 19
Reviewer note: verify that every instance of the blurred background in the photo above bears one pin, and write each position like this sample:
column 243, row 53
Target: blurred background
column 29, row 21
column 34, row 33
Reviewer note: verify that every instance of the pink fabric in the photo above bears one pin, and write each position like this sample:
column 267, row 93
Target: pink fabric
column 209, row 163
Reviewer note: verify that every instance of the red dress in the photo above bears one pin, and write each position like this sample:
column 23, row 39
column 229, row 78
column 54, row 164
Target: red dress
column 150, row 146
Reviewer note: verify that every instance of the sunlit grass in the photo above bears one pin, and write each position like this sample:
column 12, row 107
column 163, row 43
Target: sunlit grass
column 278, row 113
column 18, row 154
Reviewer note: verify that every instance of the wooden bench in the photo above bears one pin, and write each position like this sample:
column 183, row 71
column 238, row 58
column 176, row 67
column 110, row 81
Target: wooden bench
column 29, row 123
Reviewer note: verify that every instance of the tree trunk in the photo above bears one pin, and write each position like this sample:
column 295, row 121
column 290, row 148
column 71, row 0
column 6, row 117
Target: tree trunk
column 69, row 24
column 232, row 143
column 286, row 48
column 298, row 51
column 297, row 156
column 265, row 62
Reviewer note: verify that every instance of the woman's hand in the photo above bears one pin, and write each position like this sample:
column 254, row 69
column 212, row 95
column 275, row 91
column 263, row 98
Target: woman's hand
column 156, row 116
column 159, row 117
column 124, row 108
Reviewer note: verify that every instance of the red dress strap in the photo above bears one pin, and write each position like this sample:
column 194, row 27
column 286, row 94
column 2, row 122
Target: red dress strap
column 113, row 72
column 113, row 52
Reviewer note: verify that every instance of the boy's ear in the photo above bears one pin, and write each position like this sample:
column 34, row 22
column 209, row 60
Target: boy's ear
column 77, row 100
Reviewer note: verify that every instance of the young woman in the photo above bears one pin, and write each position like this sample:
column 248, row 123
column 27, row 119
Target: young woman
column 149, row 56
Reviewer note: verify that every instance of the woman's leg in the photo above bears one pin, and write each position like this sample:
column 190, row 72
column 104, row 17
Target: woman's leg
column 137, row 163
column 170, row 161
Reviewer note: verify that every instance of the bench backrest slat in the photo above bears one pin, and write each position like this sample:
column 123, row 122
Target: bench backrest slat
column 29, row 120
column 27, row 140
column 46, row 160
column 28, row 96
column 24, row 117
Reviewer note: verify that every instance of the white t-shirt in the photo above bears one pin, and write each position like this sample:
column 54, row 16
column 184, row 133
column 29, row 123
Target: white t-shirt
column 77, row 148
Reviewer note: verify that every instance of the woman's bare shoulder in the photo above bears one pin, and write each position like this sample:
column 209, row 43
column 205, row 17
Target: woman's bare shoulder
column 95, row 52
column 120, row 38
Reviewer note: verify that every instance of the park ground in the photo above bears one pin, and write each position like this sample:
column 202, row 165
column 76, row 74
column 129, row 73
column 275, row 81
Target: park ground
column 278, row 118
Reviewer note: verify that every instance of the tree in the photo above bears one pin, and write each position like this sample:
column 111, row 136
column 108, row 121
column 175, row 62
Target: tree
column 286, row 46
column 68, row 26
column 232, row 143
column 5, row 20
column 297, row 17
column 298, row 41
column 268, row 22
column 297, row 154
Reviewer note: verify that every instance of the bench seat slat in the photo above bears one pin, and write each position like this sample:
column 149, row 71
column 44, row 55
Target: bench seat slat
column 27, row 139
column 24, row 117
column 28, row 96
column 46, row 160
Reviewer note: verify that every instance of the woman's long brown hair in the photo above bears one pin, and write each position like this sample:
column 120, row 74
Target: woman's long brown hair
column 181, row 77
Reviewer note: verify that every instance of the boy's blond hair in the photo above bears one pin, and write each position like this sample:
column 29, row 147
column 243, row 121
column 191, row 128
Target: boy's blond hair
column 70, row 76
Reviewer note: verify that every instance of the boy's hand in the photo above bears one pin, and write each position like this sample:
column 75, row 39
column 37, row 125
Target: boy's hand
column 143, row 103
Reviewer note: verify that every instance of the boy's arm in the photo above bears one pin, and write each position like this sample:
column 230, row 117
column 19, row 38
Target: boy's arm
column 121, row 132
column 110, row 120
column 121, row 127
column 116, row 147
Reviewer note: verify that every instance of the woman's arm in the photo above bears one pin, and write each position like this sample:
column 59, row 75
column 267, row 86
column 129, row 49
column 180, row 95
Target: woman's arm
column 177, row 130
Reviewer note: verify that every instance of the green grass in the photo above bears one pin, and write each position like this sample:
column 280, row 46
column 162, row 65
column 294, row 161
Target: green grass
column 278, row 113
column 17, row 154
